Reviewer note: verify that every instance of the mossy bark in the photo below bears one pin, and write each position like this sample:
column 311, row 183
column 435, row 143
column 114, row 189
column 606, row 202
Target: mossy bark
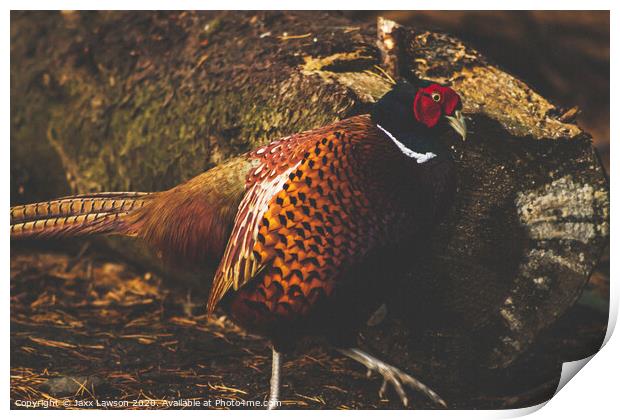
column 142, row 101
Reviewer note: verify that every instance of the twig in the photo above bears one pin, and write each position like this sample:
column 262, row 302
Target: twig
column 285, row 36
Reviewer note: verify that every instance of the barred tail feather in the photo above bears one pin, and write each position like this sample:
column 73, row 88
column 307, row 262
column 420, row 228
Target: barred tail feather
column 78, row 215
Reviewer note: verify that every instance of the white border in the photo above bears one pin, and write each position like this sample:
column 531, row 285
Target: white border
column 593, row 395
column 311, row 5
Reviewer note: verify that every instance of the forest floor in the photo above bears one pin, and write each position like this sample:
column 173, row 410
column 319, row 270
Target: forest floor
column 90, row 329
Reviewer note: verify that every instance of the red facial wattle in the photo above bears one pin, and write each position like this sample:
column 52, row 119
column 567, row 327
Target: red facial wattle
column 433, row 102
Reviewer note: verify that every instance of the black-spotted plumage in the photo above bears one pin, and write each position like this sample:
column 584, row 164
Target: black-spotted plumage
column 323, row 220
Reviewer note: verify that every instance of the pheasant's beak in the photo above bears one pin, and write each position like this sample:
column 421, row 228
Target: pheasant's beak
column 457, row 121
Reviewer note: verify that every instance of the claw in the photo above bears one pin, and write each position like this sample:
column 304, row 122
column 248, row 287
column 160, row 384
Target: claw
column 398, row 386
column 393, row 376
column 383, row 389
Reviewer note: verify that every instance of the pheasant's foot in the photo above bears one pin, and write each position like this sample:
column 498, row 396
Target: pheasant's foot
column 392, row 375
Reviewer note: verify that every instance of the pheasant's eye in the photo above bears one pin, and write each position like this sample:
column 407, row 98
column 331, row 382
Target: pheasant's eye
column 436, row 96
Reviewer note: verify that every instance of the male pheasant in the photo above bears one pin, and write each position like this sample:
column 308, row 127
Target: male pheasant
column 308, row 229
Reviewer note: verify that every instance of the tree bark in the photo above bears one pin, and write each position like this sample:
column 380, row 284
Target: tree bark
column 142, row 101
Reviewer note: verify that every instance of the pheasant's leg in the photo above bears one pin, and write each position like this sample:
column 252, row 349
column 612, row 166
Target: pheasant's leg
column 274, row 383
column 396, row 377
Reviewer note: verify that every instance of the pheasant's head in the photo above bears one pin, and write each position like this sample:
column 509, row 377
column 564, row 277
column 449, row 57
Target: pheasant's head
column 417, row 116
column 434, row 103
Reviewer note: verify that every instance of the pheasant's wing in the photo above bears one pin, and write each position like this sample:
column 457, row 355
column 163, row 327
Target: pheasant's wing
column 273, row 165
column 311, row 210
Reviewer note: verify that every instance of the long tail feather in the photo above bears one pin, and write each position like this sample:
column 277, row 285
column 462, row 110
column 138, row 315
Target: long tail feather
column 77, row 215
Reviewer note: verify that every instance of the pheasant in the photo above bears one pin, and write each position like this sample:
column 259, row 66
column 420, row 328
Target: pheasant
column 307, row 229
